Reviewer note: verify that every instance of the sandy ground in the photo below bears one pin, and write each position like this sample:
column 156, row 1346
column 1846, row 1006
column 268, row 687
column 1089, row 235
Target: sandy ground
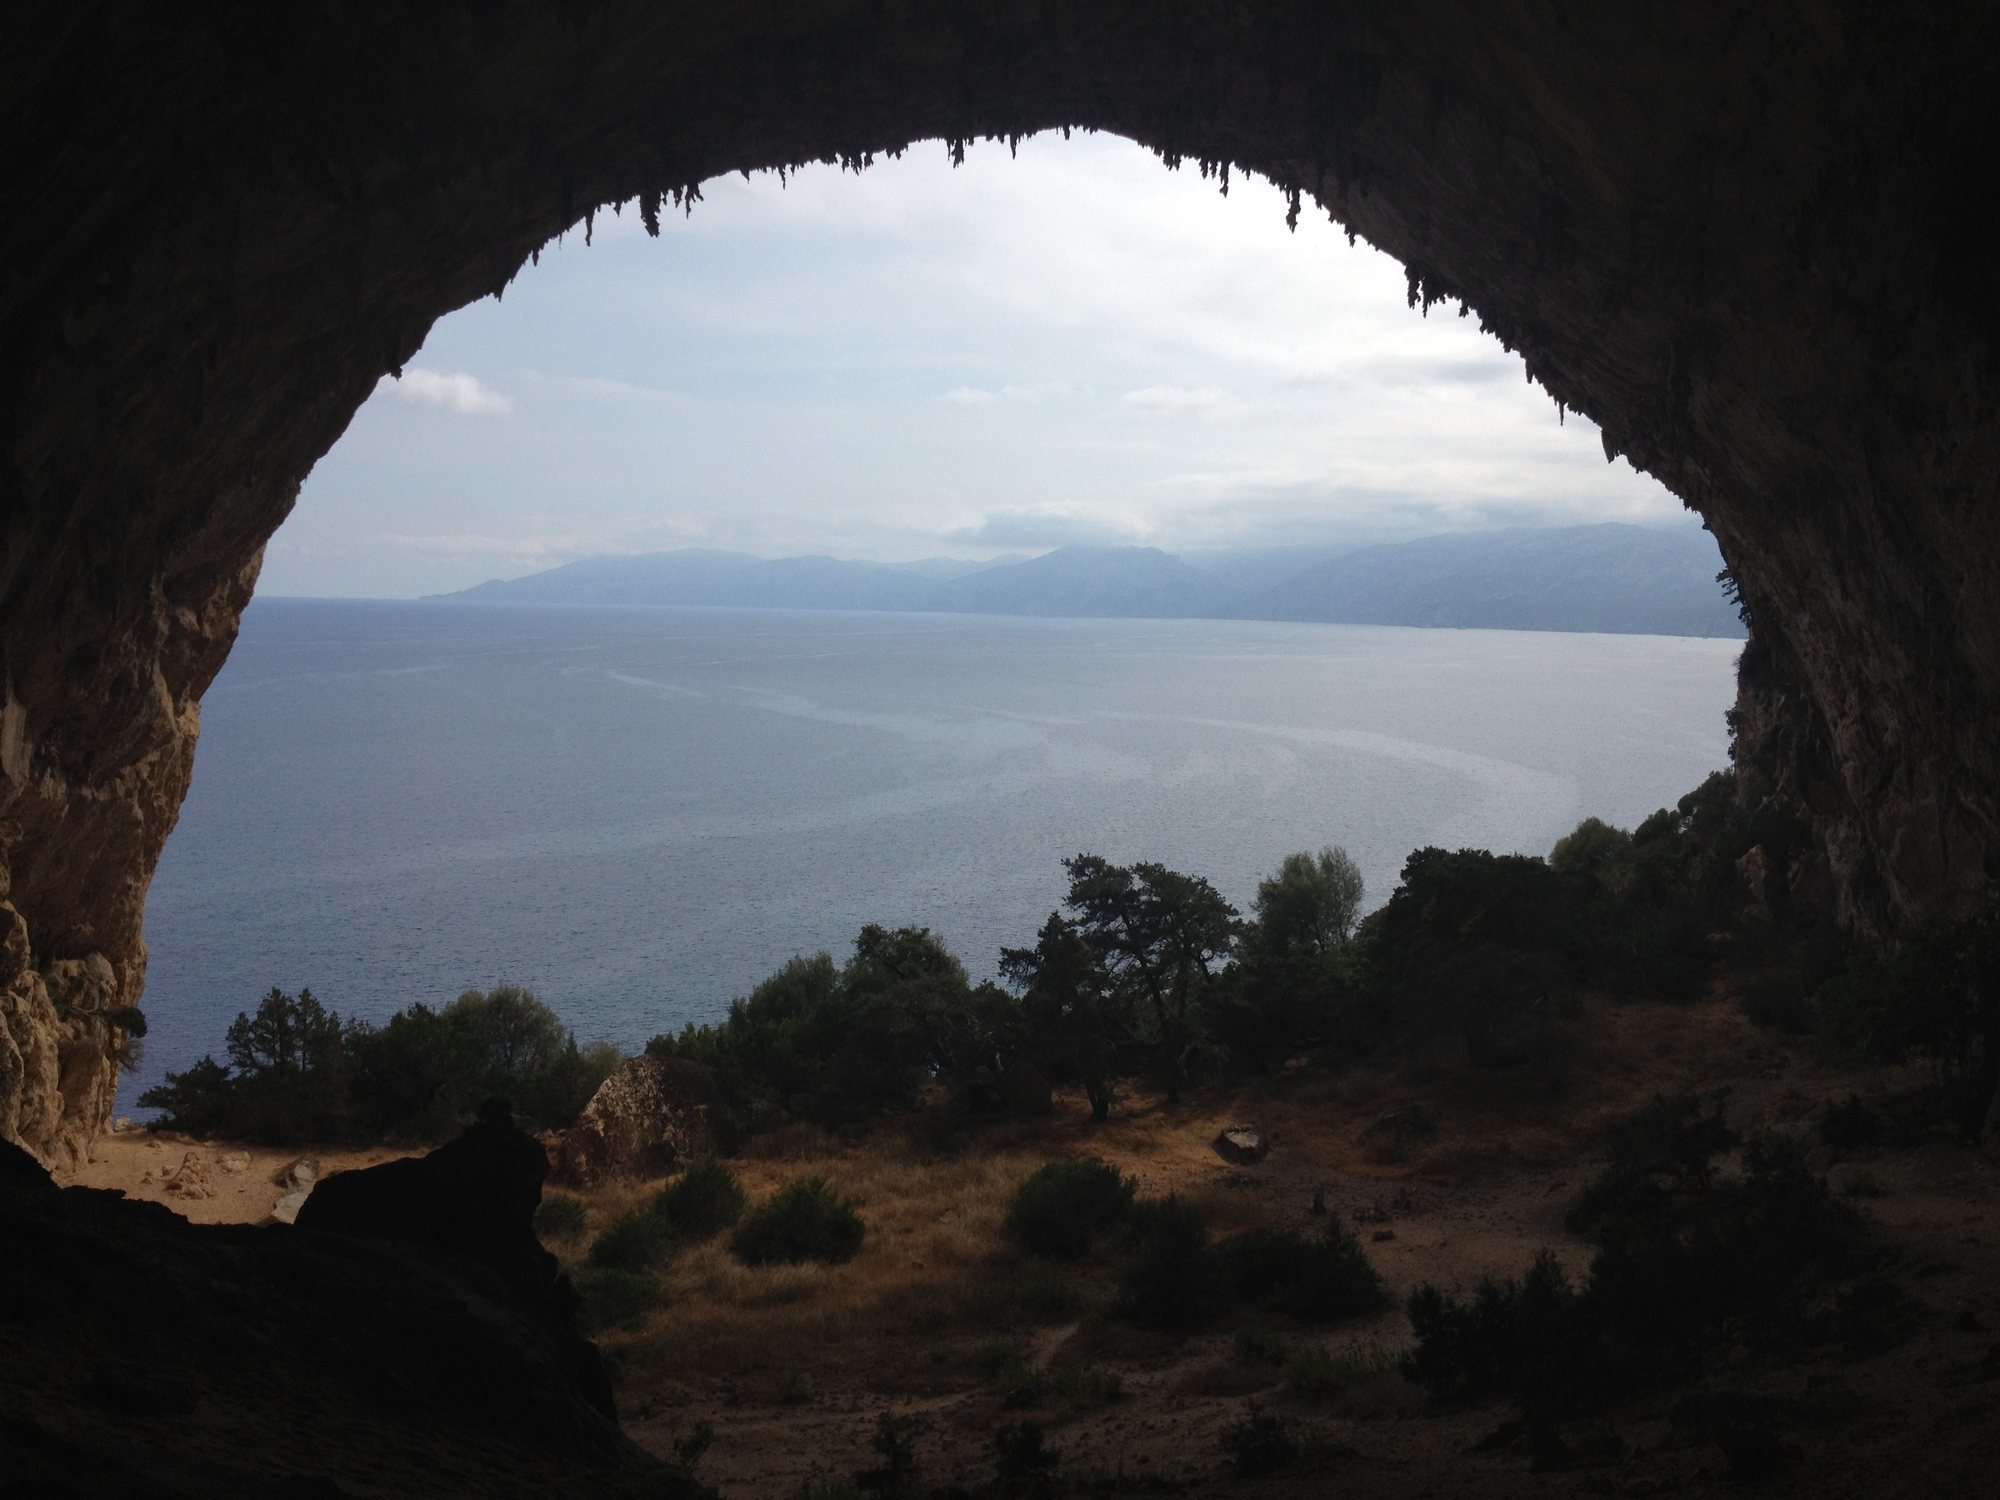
column 205, row 1182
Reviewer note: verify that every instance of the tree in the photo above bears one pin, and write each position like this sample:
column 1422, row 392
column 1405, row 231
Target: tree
column 1595, row 849
column 1156, row 931
column 200, row 1101
column 291, row 1069
column 506, row 1044
column 1311, row 905
column 284, row 1037
column 1069, row 1007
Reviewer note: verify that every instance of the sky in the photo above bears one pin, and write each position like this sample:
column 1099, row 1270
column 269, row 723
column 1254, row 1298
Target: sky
column 1075, row 345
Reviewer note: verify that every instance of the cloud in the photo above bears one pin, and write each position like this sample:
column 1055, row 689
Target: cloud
column 464, row 394
column 545, row 550
column 1041, row 527
column 1202, row 403
column 1080, row 346
column 603, row 388
column 973, row 395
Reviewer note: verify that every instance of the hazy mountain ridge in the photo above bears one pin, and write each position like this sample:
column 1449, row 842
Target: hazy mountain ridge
column 1611, row 577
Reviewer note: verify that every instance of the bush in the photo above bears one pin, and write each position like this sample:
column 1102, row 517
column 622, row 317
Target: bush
column 840, row 1044
column 704, row 1201
column 1018, row 1301
column 1320, row 1373
column 1530, row 1336
column 1259, row 1444
column 1689, row 1263
column 636, row 1241
column 198, row 1101
column 1024, row 1466
column 808, row 1221
column 1172, row 1280
column 298, row 1074
column 1660, row 1155
column 608, row 1297
column 1849, row 1124
column 896, row 1476
column 1024, row 1383
column 1065, row 1206
column 1321, row 1277
column 559, row 1217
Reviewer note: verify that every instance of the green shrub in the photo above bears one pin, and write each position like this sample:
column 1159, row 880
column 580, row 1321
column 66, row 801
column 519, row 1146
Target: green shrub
column 1259, row 1444
column 635, row 1241
column 1172, row 1280
column 1322, row 1277
column 1063, row 1208
column 1656, row 1157
column 559, row 1217
column 299, row 1074
column 1688, row 1262
column 1849, row 1124
column 808, row 1221
column 1255, row 1346
column 1019, row 1301
column 688, row 1450
column 611, row 1298
column 1529, row 1336
column 199, row 1101
column 704, row 1201
column 1021, row 1382
column 896, row 1476
column 1025, row 1467
column 1315, row 1371
column 840, row 1044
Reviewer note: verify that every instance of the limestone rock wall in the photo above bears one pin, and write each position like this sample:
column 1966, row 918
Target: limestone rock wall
column 1750, row 241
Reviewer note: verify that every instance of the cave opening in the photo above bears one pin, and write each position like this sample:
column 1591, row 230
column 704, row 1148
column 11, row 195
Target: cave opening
column 1691, row 227
column 1747, row 241
column 947, row 361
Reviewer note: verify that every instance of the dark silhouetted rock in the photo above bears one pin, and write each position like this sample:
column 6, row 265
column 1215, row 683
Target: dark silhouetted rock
column 473, row 1197
column 144, row 1356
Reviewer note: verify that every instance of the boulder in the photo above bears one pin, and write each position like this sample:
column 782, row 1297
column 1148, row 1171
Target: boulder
column 650, row 1116
column 295, row 1182
column 1242, row 1145
column 147, row 1356
column 474, row 1197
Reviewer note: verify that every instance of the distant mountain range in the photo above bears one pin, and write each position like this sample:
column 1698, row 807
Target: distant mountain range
column 1620, row 579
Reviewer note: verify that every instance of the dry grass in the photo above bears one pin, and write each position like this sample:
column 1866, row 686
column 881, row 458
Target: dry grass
column 937, row 1299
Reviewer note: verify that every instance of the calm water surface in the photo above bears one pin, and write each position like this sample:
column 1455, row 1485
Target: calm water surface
column 640, row 813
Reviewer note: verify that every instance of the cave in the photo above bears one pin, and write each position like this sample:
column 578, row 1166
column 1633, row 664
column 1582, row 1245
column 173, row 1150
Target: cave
column 1748, row 241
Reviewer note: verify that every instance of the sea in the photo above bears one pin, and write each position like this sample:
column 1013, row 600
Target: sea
column 639, row 813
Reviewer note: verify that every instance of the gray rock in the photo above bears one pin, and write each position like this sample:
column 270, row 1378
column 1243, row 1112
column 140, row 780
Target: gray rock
column 296, row 1180
column 1243, row 1145
column 650, row 1116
